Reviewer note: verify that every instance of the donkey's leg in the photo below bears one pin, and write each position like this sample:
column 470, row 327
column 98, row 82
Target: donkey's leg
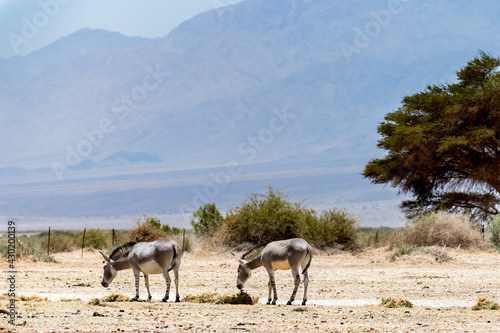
column 296, row 280
column 167, row 281
column 270, row 291
column 306, row 283
column 176, row 281
column 272, row 285
column 136, row 276
column 146, row 282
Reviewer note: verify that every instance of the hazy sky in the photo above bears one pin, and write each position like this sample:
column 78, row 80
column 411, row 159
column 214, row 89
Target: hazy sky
column 27, row 25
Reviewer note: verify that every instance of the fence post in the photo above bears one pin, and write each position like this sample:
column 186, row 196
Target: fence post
column 83, row 239
column 183, row 240
column 48, row 245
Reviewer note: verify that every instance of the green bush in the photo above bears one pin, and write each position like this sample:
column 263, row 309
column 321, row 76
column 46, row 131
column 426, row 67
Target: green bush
column 148, row 230
column 495, row 230
column 60, row 241
column 266, row 218
column 375, row 237
column 262, row 219
column 332, row 227
column 96, row 239
column 207, row 219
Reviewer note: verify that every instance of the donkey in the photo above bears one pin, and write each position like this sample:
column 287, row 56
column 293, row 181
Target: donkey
column 158, row 257
column 285, row 254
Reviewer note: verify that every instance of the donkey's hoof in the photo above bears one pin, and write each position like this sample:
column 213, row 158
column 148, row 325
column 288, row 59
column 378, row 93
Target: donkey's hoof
column 165, row 299
column 289, row 303
column 273, row 302
column 177, row 299
column 135, row 299
column 304, row 302
column 149, row 298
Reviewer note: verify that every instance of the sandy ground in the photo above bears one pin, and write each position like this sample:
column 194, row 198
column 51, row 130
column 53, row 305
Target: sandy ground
column 345, row 293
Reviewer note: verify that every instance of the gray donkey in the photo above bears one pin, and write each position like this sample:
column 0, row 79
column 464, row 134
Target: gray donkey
column 285, row 254
column 158, row 257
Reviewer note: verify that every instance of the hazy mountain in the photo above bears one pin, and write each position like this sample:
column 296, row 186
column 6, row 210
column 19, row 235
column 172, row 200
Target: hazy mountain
column 301, row 82
column 214, row 81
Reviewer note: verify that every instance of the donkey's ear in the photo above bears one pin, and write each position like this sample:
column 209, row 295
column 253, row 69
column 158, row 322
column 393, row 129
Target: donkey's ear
column 237, row 259
column 105, row 257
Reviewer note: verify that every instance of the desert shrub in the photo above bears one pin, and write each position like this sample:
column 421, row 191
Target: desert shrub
column 441, row 229
column 206, row 220
column 332, row 227
column 402, row 251
column 262, row 219
column 148, row 230
column 60, row 241
column 495, row 231
column 96, row 239
column 375, row 237
column 265, row 218
column 443, row 257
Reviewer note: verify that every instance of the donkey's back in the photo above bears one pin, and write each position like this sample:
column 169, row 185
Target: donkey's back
column 155, row 257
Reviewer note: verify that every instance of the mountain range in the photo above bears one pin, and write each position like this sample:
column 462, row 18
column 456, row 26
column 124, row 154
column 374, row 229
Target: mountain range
column 287, row 84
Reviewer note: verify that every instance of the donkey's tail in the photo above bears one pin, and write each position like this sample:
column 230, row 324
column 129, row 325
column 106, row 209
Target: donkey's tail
column 174, row 260
column 308, row 254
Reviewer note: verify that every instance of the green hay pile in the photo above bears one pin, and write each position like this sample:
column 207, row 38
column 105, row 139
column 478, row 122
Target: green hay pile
column 240, row 298
column 396, row 303
column 485, row 304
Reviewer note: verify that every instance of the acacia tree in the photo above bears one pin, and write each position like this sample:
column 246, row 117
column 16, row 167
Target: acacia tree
column 444, row 144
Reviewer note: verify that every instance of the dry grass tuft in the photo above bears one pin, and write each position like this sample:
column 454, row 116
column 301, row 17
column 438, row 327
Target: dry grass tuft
column 109, row 299
column 240, row 298
column 115, row 298
column 396, row 303
column 439, row 229
column 32, row 298
column 485, row 304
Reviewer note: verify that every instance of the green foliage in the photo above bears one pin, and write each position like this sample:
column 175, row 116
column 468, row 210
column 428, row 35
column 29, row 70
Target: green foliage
column 443, row 257
column 401, row 252
column 149, row 230
column 96, row 239
column 266, row 218
column 495, row 231
column 263, row 219
column 445, row 139
column 375, row 237
column 207, row 219
column 332, row 227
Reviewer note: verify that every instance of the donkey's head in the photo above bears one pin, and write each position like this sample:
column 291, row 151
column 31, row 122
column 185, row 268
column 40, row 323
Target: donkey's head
column 109, row 271
column 244, row 272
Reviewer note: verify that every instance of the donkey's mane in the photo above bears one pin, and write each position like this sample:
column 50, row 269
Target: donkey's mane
column 254, row 252
column 121, row 249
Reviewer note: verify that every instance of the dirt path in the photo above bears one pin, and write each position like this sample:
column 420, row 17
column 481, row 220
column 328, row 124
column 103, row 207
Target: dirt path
column 345, row 292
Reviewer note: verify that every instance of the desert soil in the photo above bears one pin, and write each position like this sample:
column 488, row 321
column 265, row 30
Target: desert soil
column 345, row 293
